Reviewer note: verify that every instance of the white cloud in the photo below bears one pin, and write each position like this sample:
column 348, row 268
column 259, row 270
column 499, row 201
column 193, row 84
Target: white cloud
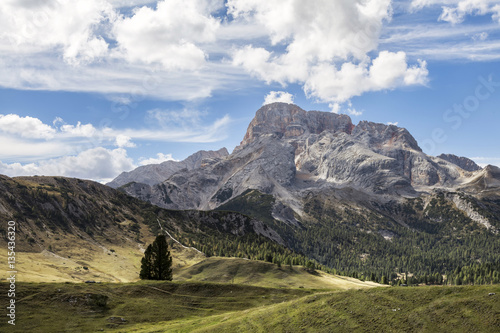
column 185, row 118
column 14, row 148
column 496, row 13
column 317, row 30
column 389, row 70
column 168, row 34
column 130, row 3
column 278, row 96
column 96, row 163
column 480, row 36
column 29, row 139
column 53, row 24
column 78, row 130
column 326, row 47
column 159, row 159
column 349, row 109
column 445, row 41
column 123, row 141
column 393, row 123
column 25, row 127
column 484, row 161
column 455, row 11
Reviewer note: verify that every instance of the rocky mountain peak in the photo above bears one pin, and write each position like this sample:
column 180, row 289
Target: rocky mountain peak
column 381, row 136
column 152, row 174
column 463, row 162
column 289, row 120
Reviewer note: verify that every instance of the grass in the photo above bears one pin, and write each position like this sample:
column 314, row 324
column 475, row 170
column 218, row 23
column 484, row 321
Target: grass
column 71, row 307
column 66, row 263
column 258, row 273
column 419, row 309
column 214, row 307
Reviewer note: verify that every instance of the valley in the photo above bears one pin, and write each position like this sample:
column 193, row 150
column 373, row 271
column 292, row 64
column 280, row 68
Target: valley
column 311, row 224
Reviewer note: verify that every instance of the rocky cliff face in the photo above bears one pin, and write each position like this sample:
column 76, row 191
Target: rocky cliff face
column 290, row 121
column 463, row 162
column 290, row 153
column 156, row 173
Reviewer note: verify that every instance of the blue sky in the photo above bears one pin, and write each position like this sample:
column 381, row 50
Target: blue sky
column 91, row 88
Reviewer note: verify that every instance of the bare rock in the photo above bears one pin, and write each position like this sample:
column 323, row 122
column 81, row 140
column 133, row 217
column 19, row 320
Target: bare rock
column 463, row 162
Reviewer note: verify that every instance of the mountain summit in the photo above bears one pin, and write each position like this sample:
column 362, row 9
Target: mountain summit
column 361, row 198
column 291, row 121
column 288, row 152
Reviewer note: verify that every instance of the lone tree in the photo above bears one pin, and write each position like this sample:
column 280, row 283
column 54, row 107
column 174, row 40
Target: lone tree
column 157, row 261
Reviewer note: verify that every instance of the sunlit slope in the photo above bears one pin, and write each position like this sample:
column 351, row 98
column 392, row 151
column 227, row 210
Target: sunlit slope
column 258, row 273
column 418, row 309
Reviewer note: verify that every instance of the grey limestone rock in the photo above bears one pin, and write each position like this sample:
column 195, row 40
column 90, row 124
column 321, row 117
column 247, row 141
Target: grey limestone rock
column 288, row 152
column 156, row 173
column 463, row 162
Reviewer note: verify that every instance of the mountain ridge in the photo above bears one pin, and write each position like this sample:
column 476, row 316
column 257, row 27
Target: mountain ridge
column 287, row 151
column 152, row 174
column 340, row 193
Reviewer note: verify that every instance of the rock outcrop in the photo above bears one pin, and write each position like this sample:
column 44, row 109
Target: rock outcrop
column 289, row 153
column 463, row 162
column 290, row 121
column 152, row 174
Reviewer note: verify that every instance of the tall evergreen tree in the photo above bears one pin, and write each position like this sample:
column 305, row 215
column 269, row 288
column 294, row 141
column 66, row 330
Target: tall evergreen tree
column 157, row 261
column 146, row 269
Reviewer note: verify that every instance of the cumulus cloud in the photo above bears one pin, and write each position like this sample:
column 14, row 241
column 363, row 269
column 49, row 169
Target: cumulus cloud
column 178, row 50
column 57, row 24
column 169, row 34
column 389, row 70
column 96, row 163
column 318, row 30
column 278, row 96
column 78, row 130
column 160, row 158
column 326, row 48
column 25, row 127
column 123, row 141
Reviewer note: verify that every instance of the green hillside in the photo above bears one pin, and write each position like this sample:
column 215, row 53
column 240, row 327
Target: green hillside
column 397, row 309
column 428, row 237
column 263, row 274
column 210, row 307
column 70, row 307
column 76, row 230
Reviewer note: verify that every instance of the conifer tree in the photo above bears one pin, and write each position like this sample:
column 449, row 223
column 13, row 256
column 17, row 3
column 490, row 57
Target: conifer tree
column 146, row 270
column 157, row 261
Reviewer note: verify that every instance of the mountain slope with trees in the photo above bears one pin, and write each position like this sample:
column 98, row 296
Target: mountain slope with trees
column 363, row 199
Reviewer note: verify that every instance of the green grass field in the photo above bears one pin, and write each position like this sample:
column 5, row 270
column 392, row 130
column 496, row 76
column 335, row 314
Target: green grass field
column 211, row 307
column 398, row 309
column 71, row 307
column 264, row 274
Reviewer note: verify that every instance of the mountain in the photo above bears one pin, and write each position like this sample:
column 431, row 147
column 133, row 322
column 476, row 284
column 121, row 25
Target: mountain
column 463, row 162
column 76, row 230
column 152, row 174
column 350, row 196
column 288, row 152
